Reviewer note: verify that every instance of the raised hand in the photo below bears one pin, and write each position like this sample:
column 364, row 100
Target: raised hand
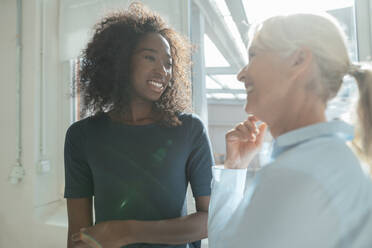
column 243, row 143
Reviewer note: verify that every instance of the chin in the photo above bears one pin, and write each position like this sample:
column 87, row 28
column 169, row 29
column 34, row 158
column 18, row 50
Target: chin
column 248, row 109
column 153, row 97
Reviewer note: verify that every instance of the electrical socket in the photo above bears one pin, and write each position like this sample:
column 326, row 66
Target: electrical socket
column 44, row 166
column 16, row 174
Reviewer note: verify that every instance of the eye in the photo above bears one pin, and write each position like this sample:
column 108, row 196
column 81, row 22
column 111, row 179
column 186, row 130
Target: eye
column 150, row 57
column 251, row 54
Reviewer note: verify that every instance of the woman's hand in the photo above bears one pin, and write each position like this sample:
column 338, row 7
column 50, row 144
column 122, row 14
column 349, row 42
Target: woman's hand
column 243, row 142
column 109, row 234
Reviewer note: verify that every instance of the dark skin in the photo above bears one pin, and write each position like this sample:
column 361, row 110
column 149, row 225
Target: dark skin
column 152, row 72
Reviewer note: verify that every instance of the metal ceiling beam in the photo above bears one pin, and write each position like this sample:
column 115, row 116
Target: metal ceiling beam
column 227, row 91
column 215, row 101
column 220, row 71
column 220, row 34
column 216, row 81
column 239, row 16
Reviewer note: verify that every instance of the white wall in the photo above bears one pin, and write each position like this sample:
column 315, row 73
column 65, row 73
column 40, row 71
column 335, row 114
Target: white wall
column 221, row 118
column 20, row 225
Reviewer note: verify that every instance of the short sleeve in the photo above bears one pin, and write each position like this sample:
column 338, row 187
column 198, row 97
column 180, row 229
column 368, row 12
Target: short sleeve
column 78, row 175
column 200, row 161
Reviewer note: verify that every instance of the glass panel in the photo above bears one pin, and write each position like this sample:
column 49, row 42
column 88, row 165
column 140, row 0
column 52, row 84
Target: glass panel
column 213, row 57
column 221, row 4
column 221, row 96
column 258, row 10
column 241, row 96
column 211, row 84
column 229, row 81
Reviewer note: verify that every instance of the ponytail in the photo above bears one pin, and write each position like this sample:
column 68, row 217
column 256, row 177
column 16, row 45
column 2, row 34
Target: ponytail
column 363, row 135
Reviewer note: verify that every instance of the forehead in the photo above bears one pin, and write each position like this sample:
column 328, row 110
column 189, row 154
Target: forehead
column 154, row 42
column 254, row 43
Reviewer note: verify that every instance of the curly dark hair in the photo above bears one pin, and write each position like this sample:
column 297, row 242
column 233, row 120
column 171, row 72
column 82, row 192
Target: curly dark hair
column 105, row 66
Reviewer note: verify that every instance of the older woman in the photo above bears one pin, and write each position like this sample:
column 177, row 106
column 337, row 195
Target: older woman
column 314, row 192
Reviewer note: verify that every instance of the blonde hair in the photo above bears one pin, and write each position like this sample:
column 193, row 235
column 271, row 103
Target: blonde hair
column 323, row 36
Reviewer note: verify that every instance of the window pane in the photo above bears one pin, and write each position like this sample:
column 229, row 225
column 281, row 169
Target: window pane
column 213, row 57
column 229, row 81
column 211, row 84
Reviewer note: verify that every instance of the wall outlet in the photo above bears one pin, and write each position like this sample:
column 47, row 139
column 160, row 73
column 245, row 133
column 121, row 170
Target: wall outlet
column 16, row 174
column 44, row 166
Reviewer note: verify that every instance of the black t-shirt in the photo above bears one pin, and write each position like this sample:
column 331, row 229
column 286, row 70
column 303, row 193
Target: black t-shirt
column 137, row 172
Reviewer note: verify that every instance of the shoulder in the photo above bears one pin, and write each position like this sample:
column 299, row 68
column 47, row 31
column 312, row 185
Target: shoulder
column 325, row 164
column 318, row 155
column 84, row 126
column 191, row 120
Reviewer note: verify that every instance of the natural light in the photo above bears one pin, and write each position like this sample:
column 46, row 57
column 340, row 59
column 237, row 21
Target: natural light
column 222, row 87
column 258, row 10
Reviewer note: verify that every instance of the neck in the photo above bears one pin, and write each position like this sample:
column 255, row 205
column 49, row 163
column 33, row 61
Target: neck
column 309, row 112
column 138, row 113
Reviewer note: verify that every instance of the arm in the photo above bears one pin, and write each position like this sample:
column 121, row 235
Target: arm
column 230, row 181
column 78, row 182
column 228, row 192
column 80, row 215
column 180, row 230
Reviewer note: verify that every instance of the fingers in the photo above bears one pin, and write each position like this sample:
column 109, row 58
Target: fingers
column 80, row 244
column 76, row 237
column 84, row 240
column 245, row 131
column 253, row 118
column 261, row 133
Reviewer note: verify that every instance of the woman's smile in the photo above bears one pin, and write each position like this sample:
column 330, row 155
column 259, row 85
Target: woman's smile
column 156, row 86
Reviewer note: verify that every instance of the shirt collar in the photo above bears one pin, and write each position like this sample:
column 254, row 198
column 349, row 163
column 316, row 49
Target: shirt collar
column 332, row 128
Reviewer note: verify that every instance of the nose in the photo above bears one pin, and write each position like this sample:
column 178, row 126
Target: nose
column 241, row 76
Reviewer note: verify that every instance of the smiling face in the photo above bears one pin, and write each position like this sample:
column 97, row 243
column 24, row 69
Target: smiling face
column 268, row 83
column 151, row 65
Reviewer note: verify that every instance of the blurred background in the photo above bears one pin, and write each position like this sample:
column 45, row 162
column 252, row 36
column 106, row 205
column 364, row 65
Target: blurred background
column 40, row 41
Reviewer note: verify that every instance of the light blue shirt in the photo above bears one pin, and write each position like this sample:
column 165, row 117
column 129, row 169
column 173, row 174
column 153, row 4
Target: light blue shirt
column 313, row 194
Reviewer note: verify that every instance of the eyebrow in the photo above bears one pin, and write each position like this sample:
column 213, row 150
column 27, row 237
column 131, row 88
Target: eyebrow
column 152, row 50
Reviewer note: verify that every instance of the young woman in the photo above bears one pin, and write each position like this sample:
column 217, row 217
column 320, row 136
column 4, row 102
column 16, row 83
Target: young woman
column 314, row 193
column 137, row 152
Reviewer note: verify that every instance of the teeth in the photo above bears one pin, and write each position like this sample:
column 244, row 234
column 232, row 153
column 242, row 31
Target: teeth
column 156, row 84
column 249, row 88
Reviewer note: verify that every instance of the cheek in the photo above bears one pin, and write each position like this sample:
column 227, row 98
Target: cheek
column 272, row 78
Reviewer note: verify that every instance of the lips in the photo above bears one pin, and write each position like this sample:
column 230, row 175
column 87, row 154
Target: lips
column 156, row 86
column 249, row 88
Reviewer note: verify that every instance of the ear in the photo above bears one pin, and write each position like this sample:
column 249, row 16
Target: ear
column 300, row 62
